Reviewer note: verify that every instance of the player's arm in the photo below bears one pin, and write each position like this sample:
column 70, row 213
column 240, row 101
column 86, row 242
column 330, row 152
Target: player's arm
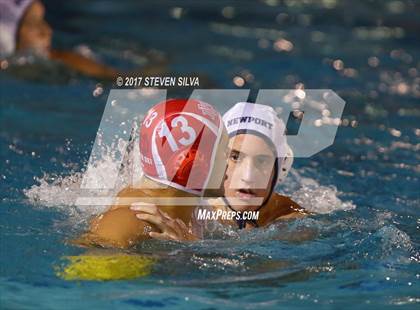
column 97, row 70
column 292, row 210
column 117, row 227
column 84, row 65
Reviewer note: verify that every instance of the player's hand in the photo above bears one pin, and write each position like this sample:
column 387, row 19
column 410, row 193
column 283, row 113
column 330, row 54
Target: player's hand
column 171, row 229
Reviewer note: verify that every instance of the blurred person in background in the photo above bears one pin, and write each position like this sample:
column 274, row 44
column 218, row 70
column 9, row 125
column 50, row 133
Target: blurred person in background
column 24, row 31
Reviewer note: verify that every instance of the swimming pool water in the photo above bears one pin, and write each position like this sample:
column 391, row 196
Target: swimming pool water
column 365, row 252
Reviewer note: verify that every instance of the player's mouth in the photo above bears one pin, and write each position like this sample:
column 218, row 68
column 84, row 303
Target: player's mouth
column 245, row 193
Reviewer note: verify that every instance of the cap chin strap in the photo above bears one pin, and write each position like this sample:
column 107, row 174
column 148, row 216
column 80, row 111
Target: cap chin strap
column 241, row 222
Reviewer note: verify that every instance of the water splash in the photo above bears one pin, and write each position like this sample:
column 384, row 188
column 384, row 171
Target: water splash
column 314, row 197
column 62, row 191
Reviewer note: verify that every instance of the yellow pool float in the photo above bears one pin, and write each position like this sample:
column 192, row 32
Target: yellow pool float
column 105, row 268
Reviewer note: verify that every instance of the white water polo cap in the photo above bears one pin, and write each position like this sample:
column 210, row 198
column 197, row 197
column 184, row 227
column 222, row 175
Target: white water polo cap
column 246, row 117
column 11, row 12
column 179, row 139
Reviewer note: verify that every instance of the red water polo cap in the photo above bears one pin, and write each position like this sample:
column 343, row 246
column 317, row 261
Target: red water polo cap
column 178, row 143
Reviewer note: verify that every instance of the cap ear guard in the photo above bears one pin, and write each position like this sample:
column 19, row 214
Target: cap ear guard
column 286, row 165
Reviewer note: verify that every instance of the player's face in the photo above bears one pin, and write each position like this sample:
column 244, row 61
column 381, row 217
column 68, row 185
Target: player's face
column 34, row 33
column 250, row 172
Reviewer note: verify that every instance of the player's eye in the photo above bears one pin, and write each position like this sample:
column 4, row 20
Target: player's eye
column 234, row 156
column 264, row 162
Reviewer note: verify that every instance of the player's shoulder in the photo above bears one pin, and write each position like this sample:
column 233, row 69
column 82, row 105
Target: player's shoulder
column 127, row 196
column 281, row 201
column 279, row 198
column 130, row 191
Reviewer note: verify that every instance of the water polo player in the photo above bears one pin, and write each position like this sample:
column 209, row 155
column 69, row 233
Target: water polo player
column 182, row 151
column 25, row 31
column 259, row 159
